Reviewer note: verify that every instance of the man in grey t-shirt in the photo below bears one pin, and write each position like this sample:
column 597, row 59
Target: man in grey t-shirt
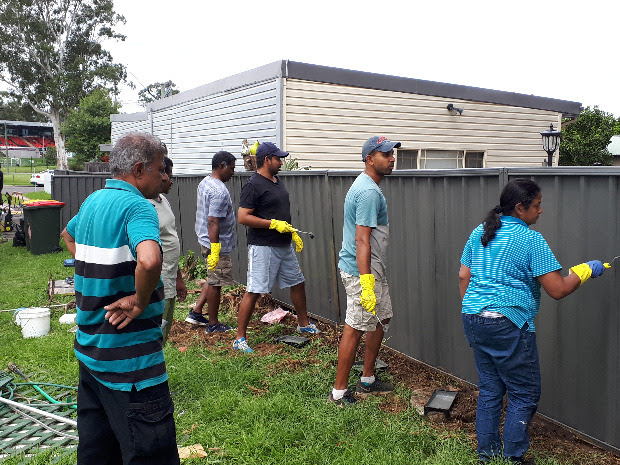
column 215, row 228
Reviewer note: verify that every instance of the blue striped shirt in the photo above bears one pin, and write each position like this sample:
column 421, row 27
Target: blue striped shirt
column 107, row 229
column 503, row 274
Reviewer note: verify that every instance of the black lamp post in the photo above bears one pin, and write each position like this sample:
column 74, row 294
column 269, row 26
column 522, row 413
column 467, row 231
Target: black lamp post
column 551, row 142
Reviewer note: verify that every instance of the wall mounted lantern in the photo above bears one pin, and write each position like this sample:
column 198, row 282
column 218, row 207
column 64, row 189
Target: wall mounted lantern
column 551, row 142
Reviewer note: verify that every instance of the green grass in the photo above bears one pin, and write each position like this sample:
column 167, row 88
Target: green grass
column 39, row 195
column 17, row 179
column 20, row 175
column 243, row 409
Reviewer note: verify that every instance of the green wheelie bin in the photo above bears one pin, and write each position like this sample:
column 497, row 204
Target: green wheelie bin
column 42, row 226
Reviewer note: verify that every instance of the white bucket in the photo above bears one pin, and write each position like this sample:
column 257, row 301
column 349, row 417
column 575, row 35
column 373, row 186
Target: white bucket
column 35, row 322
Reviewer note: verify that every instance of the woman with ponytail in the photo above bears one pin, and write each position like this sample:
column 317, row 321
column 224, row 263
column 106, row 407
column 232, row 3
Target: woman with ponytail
column 503, row 266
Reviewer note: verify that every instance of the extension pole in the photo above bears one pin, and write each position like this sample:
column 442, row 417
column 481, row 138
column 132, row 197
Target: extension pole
column 40, row 412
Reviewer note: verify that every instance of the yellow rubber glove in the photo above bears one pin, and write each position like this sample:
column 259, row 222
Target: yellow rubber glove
column 281, row 226
column 214, row 257
column 582, row 270
column 368, row 298
column 299, row 244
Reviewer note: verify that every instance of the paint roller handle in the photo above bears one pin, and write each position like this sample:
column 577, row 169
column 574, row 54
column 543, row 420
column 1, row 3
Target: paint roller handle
column 608, row 265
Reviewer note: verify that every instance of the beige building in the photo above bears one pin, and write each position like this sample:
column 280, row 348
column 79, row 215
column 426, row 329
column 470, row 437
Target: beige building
column 322, row 116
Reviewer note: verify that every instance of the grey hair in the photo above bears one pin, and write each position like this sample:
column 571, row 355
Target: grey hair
column 133, row 148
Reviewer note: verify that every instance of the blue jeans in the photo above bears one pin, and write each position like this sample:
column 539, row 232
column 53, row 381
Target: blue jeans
column 507, row 361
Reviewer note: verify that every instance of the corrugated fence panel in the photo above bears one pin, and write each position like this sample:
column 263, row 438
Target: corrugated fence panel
column 311, row 212
column 73, row 190
column 431, row 216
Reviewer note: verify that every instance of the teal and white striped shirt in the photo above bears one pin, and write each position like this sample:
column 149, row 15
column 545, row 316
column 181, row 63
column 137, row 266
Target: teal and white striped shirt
column 503, row 274
column 107, row 229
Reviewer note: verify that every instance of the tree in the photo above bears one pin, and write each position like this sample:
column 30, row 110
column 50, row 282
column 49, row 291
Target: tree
column 52, row 54
column 89, row 125
column 585, row 141
column 50, row 156
column 13, row 109
column 156, row 91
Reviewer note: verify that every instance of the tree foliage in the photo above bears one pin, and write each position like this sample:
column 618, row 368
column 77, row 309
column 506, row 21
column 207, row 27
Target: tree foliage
column 14, row 109
column 51, row 157
column 89, row 125
column 51, row 54
column 585, row 141
column 156, row 91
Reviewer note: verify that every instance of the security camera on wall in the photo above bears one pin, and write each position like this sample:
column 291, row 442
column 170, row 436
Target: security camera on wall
column 454, row 111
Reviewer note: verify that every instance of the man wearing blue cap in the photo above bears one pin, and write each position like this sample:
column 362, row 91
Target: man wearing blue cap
column 264, row 207
column 362, row 269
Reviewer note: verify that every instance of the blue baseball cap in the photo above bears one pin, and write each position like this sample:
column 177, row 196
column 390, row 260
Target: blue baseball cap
column 269, row 148
column 378, row 143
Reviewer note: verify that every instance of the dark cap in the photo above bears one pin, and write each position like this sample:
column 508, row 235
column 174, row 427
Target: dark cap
column 378, row 143
column 269, row 148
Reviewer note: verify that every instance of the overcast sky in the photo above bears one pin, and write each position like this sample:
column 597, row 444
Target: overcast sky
column 566, row 50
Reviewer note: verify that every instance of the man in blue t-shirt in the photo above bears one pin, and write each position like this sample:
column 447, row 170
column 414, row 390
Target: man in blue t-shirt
column 362, row 268
column 125, row 412
column 265, row 209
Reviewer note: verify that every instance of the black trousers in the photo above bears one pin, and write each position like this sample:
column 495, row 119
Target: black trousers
column 125, row 428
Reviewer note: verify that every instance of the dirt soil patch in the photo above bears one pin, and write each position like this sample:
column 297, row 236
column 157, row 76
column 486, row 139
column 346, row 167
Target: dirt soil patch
column 547, row 438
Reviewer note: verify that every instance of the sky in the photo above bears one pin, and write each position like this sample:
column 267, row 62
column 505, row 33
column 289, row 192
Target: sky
column 565, row 50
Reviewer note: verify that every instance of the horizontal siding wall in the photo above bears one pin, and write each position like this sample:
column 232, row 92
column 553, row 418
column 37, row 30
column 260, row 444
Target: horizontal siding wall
column 195, row 130
column 431, row 215
column 120, row 128
column 326, row 125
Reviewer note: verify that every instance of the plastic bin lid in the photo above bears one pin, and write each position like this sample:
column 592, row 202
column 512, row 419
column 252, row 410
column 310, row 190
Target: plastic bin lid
column 43, row 203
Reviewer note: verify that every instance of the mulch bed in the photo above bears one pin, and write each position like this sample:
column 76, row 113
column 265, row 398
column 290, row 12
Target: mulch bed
column 547, row 438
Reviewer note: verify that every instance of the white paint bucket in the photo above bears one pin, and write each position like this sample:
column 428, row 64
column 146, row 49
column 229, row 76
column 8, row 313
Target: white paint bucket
column 35, row 322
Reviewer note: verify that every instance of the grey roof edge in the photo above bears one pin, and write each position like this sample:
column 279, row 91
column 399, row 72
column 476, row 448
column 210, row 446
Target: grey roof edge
column 262, row 73
column 363, row 79
column 369, row 80
column 129, row 117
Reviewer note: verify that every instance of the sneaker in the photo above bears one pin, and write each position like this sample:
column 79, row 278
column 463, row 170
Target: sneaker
column 310, row 329
column 217, row 328
column 242, row 345
column 378, row 387
column 196, row 319
column 348, row 400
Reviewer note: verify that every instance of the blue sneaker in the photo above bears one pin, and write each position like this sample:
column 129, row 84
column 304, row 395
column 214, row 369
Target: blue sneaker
column 242, row 345
column 217, row 328
column 309, row 329
column 196, row 319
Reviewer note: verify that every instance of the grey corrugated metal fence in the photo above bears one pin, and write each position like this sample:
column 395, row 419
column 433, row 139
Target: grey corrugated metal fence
column 431, row 215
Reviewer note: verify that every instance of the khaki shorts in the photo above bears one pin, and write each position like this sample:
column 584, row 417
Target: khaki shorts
column 357, row 317
column 222, row 274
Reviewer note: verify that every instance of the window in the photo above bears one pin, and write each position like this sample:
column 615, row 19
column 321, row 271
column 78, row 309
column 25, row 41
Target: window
column 406, row 159
column 474, row 159
column 438, row 159
column 441, row 159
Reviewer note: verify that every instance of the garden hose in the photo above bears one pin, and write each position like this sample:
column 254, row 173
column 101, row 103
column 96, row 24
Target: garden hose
column 10, row 386
column 17, row 371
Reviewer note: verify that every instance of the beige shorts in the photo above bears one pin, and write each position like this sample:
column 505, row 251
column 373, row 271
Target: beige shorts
column 357, row 317
column 222, row 274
